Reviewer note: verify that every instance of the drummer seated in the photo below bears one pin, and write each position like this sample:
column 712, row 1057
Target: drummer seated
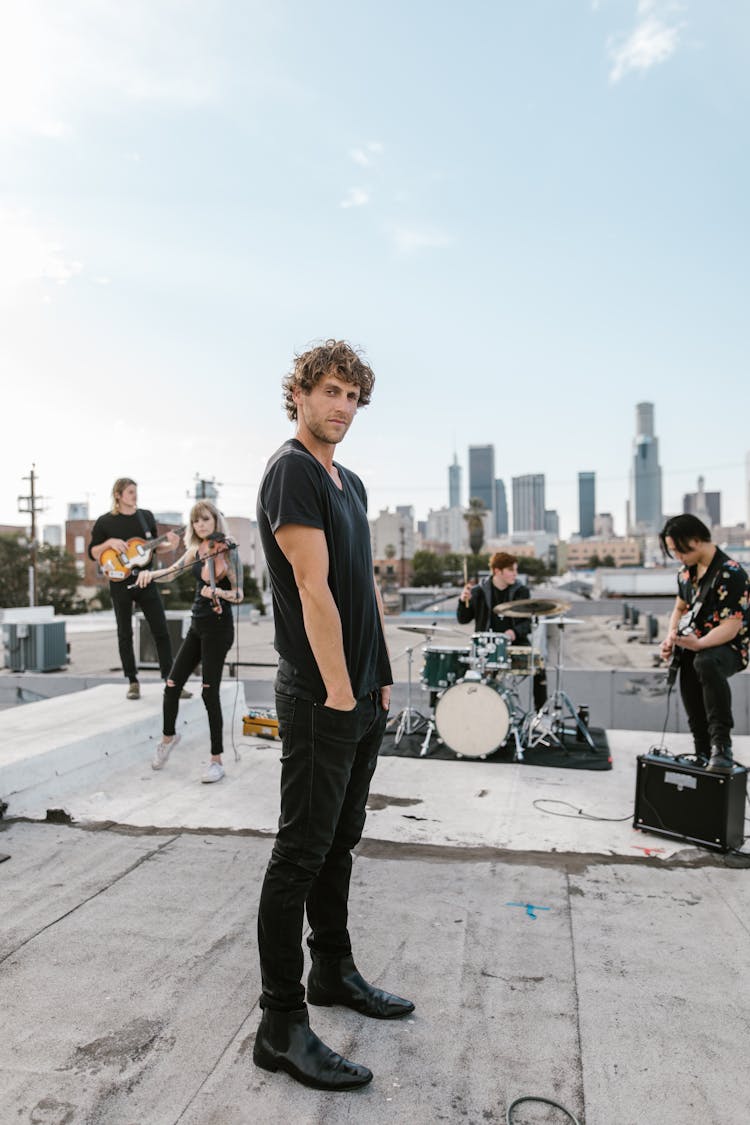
column 477, row 603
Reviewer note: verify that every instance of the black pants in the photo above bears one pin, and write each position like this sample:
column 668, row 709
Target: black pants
column 149, row 600
column 328, row 759
column 208, row 641
column 706, row 694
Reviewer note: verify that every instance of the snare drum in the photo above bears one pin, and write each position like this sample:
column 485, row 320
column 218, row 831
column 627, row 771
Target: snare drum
column 489, row 652
column 524, row 661
column 473, row 717
column 443, row 665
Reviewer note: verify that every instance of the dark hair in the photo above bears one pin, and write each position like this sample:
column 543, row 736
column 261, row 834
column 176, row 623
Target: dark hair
column 334, row 357
column 681, row 529
column 501, row 560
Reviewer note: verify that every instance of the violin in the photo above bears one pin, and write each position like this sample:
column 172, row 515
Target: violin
column 213, row 570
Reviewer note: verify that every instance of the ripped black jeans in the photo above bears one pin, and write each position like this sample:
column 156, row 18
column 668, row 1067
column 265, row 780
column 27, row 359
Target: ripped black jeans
column 208, row 641
column 328, row 759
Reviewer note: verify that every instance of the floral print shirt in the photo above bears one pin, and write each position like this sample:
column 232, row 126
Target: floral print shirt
column 730, row 597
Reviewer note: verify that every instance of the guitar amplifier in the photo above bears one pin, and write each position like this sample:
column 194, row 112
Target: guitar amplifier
column 677, row 799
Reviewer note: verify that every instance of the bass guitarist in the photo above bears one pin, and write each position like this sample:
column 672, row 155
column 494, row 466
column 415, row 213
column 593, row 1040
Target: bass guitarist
column 708, row 635
column 111, row 531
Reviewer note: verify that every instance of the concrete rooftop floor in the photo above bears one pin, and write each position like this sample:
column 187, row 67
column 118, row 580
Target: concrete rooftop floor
column 574, row 959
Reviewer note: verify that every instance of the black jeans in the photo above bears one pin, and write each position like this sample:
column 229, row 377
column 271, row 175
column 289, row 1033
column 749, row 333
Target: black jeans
column 208, row 641
column 706, row 694
column 328, row 759
column 149, row 600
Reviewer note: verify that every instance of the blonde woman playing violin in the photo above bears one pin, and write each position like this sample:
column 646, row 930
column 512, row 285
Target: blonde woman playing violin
column 217, row 569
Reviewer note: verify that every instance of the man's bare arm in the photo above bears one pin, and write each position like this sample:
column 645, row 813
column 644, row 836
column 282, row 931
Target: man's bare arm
column 306, row 550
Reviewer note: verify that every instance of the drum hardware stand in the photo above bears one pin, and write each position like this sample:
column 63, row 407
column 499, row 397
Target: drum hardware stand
column 409, row 720
column 547, row 724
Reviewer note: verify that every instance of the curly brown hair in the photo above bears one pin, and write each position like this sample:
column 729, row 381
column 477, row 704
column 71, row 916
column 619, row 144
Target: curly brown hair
column 501, row 560
column 334, row 357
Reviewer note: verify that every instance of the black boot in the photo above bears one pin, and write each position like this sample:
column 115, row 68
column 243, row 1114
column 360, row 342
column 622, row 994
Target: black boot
column 284, row 1041
column 338, row 982
column 721, row 760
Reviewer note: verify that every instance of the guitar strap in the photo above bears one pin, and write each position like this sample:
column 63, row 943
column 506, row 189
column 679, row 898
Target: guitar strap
column 706, row 585
column 142, row 521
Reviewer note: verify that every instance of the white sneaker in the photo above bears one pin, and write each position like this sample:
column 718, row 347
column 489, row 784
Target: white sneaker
column 162, row 752
column 215, row 772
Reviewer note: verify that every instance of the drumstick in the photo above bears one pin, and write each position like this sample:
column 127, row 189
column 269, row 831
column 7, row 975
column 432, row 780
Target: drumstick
column 466, row 573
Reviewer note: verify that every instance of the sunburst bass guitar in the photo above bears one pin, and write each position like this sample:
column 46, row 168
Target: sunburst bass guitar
column 119, row 565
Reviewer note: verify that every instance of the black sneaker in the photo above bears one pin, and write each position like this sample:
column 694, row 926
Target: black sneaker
column 721, row 760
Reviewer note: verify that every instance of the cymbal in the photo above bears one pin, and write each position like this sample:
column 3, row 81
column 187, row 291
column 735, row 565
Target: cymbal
column 428, row 629
column 531, row 607
column 562, row 621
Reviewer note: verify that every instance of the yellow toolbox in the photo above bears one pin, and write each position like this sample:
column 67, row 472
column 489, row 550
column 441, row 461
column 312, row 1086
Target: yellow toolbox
column 261, row 722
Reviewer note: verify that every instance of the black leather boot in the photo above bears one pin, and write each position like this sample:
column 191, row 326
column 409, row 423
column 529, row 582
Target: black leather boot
column 338, row 982
column 721, row 760
column 284, row 1041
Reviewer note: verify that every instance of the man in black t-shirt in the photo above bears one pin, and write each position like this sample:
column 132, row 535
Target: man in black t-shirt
column 332, row 697
column 112, row 530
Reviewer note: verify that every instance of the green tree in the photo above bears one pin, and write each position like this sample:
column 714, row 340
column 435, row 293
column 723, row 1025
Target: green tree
column 251, row 591
column 594, row 561
column 608, row 560
column 474, row 518
column 14, row 572
column 536, row 569
column 427, row 569
column 57, row 580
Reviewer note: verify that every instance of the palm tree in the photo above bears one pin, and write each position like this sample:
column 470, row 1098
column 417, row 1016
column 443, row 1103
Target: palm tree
column 474, row 518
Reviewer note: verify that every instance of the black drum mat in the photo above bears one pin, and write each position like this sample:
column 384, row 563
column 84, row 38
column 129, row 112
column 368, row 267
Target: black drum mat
column 572, row 755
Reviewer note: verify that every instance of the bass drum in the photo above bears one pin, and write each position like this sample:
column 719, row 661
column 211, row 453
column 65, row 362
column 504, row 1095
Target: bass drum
column 473, row 718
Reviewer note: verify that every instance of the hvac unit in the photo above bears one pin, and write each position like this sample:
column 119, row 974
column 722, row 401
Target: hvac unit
column 40, row 647
column 178, row 624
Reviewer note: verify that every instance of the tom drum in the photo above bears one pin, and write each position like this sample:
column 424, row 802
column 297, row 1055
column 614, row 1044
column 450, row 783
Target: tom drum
column 443, row 665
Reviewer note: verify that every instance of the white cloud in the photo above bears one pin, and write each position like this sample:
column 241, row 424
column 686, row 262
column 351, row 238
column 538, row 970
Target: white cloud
column 366, row 155
column 355, row 197
column 30, row 256
column 653, row 41
column 409, row 240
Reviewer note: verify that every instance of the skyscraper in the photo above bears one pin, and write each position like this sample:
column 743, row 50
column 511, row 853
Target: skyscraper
column 705, row 505
column 482, row 475
column 454, row 484
column 586, row 504
column 501, row 508
column 646, row 511
column 528, row 502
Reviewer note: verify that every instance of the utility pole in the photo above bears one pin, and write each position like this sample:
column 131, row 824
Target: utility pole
column 206, row 489
column 31, row 504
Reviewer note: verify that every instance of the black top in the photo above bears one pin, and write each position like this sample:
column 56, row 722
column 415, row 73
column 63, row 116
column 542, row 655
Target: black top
column 484, row 598
column 203, row 607
column 141, row 525
column 729, row 596
column 296, row 489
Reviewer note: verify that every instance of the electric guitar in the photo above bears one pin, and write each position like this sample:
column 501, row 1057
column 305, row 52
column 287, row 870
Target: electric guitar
column 687, row 622
column 119, row 565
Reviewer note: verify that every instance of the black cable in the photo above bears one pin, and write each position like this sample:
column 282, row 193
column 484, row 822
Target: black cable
column 579, row 813
column 544, row 1101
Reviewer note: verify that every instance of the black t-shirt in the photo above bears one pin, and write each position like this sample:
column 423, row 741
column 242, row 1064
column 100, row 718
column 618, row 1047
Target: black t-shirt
column 296, row 489
column 116, row 525
column 203, row 607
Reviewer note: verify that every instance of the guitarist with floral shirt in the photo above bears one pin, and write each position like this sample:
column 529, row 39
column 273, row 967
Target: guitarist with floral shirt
column 111, row 531
column 712, row 643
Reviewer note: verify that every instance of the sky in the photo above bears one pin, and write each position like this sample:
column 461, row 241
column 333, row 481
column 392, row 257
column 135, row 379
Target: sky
column 530, row 215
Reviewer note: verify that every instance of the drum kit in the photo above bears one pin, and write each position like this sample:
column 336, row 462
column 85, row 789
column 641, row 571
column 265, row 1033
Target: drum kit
column 475, row 688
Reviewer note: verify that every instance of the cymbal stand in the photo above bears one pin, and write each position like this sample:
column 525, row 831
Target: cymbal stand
column 409, row 720
column 548, row 724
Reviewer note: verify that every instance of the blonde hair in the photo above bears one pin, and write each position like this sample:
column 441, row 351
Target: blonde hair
column 204, row 508
column 117, row 490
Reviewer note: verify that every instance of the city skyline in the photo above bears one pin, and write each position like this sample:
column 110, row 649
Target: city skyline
column 535, row 224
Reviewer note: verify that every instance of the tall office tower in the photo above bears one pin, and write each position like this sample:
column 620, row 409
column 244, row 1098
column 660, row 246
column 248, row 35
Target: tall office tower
column 552, row 523
column 646, row 474
column 454, row 484
column 528, row 502
column 501, row 509
column 586, row 504
column 747, row 489
column 705, row 505
column 482, row 476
